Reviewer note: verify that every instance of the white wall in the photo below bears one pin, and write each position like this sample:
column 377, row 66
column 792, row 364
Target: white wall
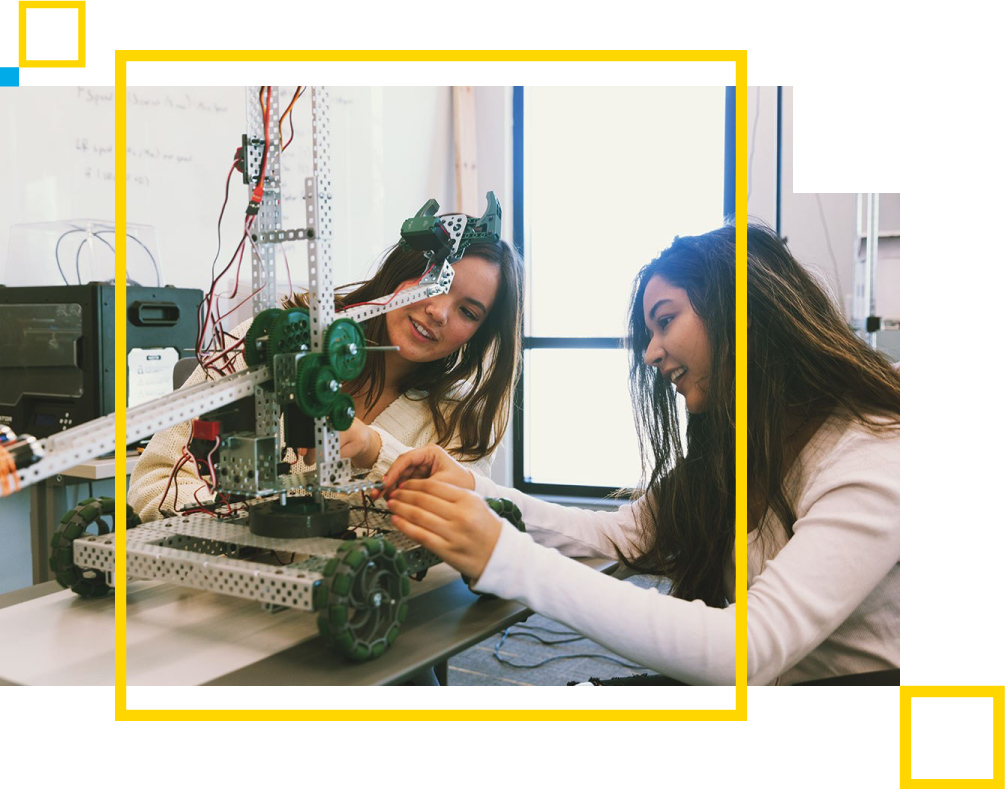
column 391, row 151
column 820, row 228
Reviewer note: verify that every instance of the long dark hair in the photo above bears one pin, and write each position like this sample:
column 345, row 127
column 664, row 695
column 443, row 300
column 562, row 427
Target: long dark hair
column 689, row 510
column 804, row 363
column 469, row 392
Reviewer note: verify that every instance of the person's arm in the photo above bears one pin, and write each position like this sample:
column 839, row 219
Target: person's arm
column 386, row 446
column 152, row 472
column 846, row 541
column 575, row 532
column 152, row 475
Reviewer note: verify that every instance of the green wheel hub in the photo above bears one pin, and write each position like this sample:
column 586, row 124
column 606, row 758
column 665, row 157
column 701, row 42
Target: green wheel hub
column 345, row 346
column 72, row 526
column 361, row 599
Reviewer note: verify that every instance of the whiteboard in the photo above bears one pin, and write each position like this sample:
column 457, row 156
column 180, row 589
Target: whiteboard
column 391, row 150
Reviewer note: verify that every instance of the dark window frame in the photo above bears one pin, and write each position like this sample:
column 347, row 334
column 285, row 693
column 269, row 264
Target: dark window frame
column 529, row 343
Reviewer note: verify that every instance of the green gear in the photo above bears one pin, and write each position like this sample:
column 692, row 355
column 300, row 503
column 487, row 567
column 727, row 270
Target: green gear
column 259, row 328
column 342, row 412
column 84, row 581
column 314, row 393
column 345, row 345
column 361, row 599
column 289, row 332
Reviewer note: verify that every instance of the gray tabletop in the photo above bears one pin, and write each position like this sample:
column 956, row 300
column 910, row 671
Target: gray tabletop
column 181, row 636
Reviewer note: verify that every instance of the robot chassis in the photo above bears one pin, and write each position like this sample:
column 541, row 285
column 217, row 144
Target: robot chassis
column 297, row 360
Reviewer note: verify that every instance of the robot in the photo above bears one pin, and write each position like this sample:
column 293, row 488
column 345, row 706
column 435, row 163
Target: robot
column 354, row 575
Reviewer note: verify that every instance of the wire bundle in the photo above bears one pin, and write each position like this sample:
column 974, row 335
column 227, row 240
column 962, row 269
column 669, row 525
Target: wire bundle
column 216, row 349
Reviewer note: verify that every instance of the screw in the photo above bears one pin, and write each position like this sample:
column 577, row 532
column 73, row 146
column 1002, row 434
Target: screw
column 333, row 385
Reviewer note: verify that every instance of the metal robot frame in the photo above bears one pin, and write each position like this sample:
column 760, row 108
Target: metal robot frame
column 358, row 587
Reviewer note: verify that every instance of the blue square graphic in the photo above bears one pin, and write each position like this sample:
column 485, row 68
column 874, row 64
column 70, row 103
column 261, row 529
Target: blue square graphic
column 9, row 77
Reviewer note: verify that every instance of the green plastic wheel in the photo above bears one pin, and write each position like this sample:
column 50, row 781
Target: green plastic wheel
column 84, row 581
column 259, row 328
column 345, row 346
column 361, row 599
column 507, row 510
column 342, row 412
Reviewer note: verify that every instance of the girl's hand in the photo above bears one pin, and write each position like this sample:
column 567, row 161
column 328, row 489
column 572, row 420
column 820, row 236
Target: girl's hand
column 360, row 443
column 431, row 461
column 455, row 524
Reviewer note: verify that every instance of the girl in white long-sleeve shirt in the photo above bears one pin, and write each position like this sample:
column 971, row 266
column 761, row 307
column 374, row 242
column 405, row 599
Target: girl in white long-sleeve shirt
column 823, row 507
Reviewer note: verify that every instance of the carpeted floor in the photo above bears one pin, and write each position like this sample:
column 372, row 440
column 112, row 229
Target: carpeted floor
column 542, row 651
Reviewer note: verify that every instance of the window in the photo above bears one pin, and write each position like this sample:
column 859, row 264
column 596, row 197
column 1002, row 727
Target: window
column 604, row 180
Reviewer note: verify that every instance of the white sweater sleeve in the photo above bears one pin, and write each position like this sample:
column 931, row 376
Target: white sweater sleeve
column 152, row 473
column 391, row 447
column 846, row 540
column 687, row 641
column 573, row 531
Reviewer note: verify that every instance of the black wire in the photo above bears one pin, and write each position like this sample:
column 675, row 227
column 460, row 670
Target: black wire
column 506, row 662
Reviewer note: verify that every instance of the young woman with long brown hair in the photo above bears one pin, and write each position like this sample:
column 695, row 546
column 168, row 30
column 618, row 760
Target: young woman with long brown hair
column 449, row 384
column 823, row 477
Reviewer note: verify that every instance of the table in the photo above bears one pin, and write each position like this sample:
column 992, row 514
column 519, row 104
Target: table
column 49, row 504
column 182, row 636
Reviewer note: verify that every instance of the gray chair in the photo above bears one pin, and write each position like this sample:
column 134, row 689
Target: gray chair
column 183, row 368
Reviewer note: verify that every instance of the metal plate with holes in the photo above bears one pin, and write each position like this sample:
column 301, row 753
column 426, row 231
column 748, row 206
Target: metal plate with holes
column 248, row 465
column 278, row 236
column 202, row 552
column 68, row 448
column 406, row 296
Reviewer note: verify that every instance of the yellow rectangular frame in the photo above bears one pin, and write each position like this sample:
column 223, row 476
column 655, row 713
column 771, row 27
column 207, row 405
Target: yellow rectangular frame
column 23, row 6
column 739, row 59
column 908, row 692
